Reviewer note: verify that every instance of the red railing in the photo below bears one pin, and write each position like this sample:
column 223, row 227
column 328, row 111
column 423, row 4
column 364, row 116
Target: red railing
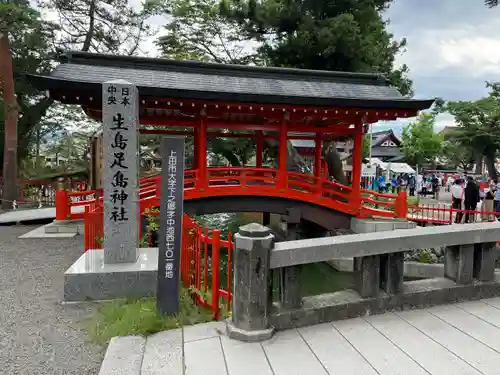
column 94, row 225
column 233, row 181
column 229, row 181
column 42, row 192
column 383, row 205
column 445, row 215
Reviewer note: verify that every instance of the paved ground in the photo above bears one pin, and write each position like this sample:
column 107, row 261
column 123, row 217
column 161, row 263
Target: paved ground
column 39, row 335
column 461, row 339
column 22, row 215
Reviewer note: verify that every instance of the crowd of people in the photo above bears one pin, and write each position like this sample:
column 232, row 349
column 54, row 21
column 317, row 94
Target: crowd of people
column 467, row 192
column 414, row 184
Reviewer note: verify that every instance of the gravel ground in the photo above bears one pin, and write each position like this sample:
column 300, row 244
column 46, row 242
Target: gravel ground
column 38, row 334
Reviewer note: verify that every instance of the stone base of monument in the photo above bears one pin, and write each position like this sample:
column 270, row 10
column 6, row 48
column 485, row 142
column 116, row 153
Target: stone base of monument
column 90, row 279
column 65, row 226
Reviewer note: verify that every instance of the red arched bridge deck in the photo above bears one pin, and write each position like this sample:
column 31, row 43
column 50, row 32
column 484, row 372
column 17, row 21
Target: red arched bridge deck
column 262, row 190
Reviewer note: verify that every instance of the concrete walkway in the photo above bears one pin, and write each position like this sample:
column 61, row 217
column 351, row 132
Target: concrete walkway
column 461, row 339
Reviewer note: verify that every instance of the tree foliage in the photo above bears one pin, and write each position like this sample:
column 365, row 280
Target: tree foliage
column 491, row 3
column 479, row 126
column 30, row 40
column 197, row 31
column 324, row 35
column 101, row 26
column 458, row 156
column 421, row 145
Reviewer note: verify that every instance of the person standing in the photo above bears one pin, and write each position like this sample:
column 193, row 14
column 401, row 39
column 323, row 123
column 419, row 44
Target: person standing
column 412, row 184
column 435, row 186
column 497, row 197
column 471, row 200
column 457, row 194
column 488, row 203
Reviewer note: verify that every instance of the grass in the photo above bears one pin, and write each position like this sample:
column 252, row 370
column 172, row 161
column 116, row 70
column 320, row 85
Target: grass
column 319, row 278
column 140, row 317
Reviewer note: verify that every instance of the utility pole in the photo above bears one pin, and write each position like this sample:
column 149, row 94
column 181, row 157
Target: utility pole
column 10, row 123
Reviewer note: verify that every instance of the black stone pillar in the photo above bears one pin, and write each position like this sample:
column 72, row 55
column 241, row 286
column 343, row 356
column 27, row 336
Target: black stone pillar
column 458, row 263
column 249, row 321
column 266, row 219
column 484, row 261
column 367, row 275
column 291, row 295
column 392, row 272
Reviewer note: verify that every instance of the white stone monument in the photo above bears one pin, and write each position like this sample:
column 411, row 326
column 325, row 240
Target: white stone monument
column 120, row 117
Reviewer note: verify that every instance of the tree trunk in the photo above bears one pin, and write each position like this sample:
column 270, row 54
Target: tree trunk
column 10, row 125
column 490, row 165
column 479, row 164
column 294, row 162
column 332, row 158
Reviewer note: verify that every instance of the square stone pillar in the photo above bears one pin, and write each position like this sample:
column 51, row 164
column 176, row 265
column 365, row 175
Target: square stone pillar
column 290, row 290
column 367, row 275
column 249, row 321
column 458, row 263
column 484, row 261
column 392, row 272
column 120, row 116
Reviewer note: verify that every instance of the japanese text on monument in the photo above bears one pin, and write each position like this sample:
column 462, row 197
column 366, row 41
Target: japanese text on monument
column 119, row 134
column 170, row 230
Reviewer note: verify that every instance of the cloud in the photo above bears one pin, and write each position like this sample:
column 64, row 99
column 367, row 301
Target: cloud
column 453, row 45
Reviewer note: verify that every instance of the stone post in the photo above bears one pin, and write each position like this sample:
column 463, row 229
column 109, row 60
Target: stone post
column 367, row 275
column 392, row 272
column 120, row 112
column 458, row 263
column 484, row 261
column 290, row 291
column 251, row 305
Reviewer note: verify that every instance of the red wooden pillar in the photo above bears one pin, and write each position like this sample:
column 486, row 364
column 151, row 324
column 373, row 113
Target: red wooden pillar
column 317, row 154
column 283, row 152
column 260, row 150
column 202, row 154
column 357, row 158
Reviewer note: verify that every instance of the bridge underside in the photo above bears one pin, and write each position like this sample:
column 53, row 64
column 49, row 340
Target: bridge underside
column 322, row 216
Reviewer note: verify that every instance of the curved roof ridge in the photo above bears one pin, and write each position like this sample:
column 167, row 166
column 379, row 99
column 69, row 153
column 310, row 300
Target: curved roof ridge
column 78, row 57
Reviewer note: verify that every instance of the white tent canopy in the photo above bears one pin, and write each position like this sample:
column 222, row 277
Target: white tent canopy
column 400, row 168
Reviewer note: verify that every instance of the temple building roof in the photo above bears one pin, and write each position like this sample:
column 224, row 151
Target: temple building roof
column 81, row 73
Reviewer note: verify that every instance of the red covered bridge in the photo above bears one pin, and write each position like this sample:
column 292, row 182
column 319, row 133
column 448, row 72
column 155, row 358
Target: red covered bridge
column 203, row 100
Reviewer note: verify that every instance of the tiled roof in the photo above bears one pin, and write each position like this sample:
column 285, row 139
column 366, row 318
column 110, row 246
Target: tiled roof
column 196, row 80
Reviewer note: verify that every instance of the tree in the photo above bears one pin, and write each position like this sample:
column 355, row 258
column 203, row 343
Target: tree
column 457, row 155
column 421, row 145
column 101, row 26
column 491, row 3
column 24, row 41
column 479, row 126
column 322, row 34
column 197, row 31
column 367, row 145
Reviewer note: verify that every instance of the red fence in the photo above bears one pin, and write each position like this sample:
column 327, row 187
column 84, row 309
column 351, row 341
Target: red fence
column 204, row 256
column 42, row 192
column 445, row 215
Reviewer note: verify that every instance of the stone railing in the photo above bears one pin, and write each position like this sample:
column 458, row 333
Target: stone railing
column 378, row 270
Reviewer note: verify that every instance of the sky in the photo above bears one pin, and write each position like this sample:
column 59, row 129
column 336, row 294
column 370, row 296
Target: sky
column 453, row 49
